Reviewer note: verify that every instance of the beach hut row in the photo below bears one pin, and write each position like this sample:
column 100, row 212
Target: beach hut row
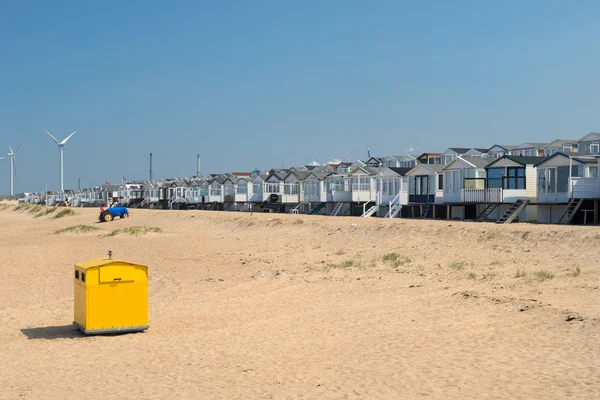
column 553, row 182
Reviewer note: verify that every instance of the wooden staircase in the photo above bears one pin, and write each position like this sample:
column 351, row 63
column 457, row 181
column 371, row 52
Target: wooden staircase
column 513, row 212
column 488, row 210
column 570, row 211
column 337, row 209
column 395, row 207
column 425, row 210
column 370, row 211
column 318, row 208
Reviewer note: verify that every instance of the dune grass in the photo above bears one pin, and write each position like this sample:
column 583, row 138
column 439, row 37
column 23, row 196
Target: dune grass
column 77, row 229
column 520, row 274
column 472, row 275
column 457, row 265
column 134, row 231
column 29, row 208
column 64, row 212
column 346, row 264
column 4, row 206
column 44, row 212
column 542, row 275
column 395, row 259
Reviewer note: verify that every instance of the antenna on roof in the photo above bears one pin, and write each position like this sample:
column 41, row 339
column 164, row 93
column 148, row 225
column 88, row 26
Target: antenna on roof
column 494, row 128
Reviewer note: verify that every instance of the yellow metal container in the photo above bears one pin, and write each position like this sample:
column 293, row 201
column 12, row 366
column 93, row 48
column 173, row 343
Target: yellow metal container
column 110, row 296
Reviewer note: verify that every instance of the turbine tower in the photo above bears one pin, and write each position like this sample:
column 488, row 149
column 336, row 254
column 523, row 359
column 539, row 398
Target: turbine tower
column 13, row 168
column 61, row 146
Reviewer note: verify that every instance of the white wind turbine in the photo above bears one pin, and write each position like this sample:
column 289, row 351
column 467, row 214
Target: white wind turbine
column 61, row 146
column 13, row 168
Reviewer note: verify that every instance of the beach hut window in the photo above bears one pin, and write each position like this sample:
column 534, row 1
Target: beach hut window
column 494, row 178
column 272, row 188
column 242, row 188
column 310, row 188
column 562, row 180
column 292, row 188
column 542, row 180
column 551, row 180
column 441, row 182
column 475, row 183
column 76, row 274
column 228, row 189
column 515, row 178
column 595, row 148
column 365, row 183
column 577, row 171
column 593, row 171
column 83, row 277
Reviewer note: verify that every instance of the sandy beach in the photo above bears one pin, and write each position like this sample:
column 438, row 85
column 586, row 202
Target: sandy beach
column 291, row 306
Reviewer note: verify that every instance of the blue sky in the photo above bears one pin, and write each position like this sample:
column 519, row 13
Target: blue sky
column 259, row 84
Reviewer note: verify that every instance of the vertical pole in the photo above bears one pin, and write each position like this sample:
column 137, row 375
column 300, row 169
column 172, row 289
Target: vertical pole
column 151, row 167
column 62, row 187
column 595, row 212
column 78, row 183
column 198, row 165
column 12, row 175
column 570, row 183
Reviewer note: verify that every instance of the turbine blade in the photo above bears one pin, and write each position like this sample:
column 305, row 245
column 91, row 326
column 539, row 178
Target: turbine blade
column 49, row 134
column 11, row 150
column 68, row 137
column 18, row 148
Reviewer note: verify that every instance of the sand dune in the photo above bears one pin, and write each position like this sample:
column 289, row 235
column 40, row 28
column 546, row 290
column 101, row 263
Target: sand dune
column 278, row 306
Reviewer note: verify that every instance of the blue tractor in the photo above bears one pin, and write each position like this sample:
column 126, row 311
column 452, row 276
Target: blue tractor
column 110, row 213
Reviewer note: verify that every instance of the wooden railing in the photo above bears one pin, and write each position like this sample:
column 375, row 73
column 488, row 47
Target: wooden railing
column 583, row 188
column 490, row 195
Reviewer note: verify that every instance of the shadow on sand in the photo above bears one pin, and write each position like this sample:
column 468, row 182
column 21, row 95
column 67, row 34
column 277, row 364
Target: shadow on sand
column 53, row 332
